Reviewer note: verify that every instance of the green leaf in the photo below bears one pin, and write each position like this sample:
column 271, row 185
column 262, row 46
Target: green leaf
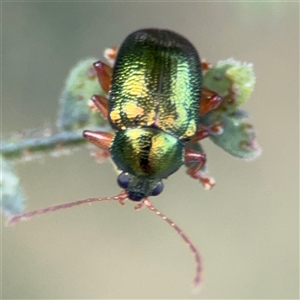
column 238, row 138
column 81, row 84
column 11, row 200
column 232, row 80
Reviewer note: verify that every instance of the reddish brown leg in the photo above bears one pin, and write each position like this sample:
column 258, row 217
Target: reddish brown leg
column 203, row 132
column 100, row 154
column 208, row 182
column 209, row 100
column 193, row 156
column 98, row 138
column 110, row 54
column 104, row 73
column 196, row 171
column 205, row 65
column 102, row 104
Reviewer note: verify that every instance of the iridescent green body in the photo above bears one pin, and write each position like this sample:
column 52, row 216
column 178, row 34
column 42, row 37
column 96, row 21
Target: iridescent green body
column 147, row 152
column 153, row 105
column 156, row 81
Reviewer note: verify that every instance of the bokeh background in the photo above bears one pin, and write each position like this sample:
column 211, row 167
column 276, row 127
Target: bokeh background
column 246, row 228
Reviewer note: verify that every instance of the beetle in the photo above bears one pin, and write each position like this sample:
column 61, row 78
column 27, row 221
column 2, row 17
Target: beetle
column 154, row 101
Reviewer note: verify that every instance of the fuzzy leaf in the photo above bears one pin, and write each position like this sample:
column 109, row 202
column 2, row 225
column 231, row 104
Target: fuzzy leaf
column 11, row 200
column 81, row 84
column 232, row 80
column 238, row 138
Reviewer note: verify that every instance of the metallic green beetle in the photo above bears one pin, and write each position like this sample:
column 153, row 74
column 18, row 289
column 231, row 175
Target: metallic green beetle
column 155, row 98
column 153, row 105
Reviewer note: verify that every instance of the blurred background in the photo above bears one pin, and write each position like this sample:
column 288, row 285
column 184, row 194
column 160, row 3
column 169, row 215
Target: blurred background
column 246, row 228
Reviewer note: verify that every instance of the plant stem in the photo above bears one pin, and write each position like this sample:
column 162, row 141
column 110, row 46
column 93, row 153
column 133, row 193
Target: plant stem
column 29, row 147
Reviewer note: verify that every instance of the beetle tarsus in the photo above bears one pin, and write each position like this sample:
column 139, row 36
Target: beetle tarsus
column 208, row 182
column 205, row 65
column 110, row 55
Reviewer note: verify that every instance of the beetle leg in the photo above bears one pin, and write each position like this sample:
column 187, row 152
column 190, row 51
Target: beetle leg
column 216, row 128
column 209, row 100
column 193, row 156
column 195, row 161
column 101, row 103
column 205, row 65
column 208, row 182
column 99, row 138
column 203, row 132
column 110, row 55
column 100, row 154
column 104, row 73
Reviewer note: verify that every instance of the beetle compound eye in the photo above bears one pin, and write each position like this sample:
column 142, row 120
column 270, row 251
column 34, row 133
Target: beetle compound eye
column 158, row 189
column 123, row 180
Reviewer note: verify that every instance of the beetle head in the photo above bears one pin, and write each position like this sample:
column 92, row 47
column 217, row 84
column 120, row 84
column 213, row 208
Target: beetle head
column 145, row 156
column 139, row 188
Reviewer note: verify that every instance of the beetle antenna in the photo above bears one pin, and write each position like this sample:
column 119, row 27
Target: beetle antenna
column 194, row 250
column 28, row 215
